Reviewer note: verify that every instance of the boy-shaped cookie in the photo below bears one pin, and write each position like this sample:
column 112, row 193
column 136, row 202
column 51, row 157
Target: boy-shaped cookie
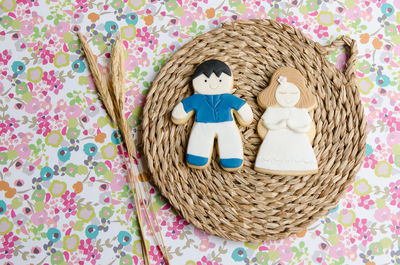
column 213, row 105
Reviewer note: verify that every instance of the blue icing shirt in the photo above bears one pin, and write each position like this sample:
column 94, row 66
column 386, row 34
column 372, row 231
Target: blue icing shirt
column 213, row 108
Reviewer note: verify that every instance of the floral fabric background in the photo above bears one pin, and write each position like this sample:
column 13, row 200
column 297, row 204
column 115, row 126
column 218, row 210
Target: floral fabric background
column 63, row 193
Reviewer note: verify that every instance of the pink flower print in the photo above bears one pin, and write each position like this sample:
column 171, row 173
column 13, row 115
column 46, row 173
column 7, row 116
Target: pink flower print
column 33, row 106
column 7, row 245
column 395, row 227
column 70, row 207
column 36, row 250
column 337, row 251
column 173, row 32
column 386, row 57
column 395, row 193
column 73, row 111
column 384, row 116
column 176, row 229
column 62, row 28
column 200, row 233
column 31, row 3
column 353, row 13
column 285, row 253
column 370, row 161
column 44, row 53
column 187, row 18
column 365, row 202
column 365, row 237
column 118, row 183
column 51, row 80
column 291, row 20
column 382, row 215
column 205, row 261
column 393, row 138
column 362, row 230
column 148, row 39
column 61, row 106
column 205, row 245
column 92, row 254
column 397, row 49
column 319, row 257
column 156, row 255
column 321, row 31
column 294, row 21
column 390, row 120
column 131, row 63
column 91, row 83
column 81, row 6
column 249, row 14
column 214, row 23
column 360, row 224
column 27, row 27
column 43, row 123
column 173, row 232
column 25, row 137
column 8, row 126
column 4, row 57
column 23, row 150
column 140, row 100
column 39, row 218
column 43, row 116
column 151, row 42
column 57, row 86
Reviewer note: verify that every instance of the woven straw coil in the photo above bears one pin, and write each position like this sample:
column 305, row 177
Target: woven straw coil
column 246, row 205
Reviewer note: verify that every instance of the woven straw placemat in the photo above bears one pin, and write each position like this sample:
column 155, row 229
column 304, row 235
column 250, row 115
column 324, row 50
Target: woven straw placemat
column 246, row 205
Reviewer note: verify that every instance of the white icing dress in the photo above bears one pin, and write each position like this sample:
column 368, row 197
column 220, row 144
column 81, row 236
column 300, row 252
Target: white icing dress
column 285, row 149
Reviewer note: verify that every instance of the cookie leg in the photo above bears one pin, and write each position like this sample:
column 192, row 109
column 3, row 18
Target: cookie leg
column 230, row 146
column 200, row 145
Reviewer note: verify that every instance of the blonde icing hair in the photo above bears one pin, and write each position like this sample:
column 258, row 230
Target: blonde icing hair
column 290, row 75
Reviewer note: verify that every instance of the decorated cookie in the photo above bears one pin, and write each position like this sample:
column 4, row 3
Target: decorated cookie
column 286, row 126
column 213, row 106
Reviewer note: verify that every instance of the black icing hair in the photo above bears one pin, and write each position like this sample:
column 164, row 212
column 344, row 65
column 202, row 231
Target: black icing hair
column 212, row 66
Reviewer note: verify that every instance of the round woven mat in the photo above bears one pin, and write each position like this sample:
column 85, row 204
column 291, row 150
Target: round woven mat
column 246, row 205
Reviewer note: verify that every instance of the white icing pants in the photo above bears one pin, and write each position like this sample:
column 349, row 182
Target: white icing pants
column 201, row 140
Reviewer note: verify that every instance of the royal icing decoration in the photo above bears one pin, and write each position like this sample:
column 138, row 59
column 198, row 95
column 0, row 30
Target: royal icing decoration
column 286, row 148
column 213, row 106
column 282, row 79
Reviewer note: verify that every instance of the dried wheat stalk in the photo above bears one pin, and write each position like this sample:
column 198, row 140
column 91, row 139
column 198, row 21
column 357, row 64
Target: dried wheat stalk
column 118, row 72
column 112, row 94
column 98, row 77
column 118, row 90
column 106, row 97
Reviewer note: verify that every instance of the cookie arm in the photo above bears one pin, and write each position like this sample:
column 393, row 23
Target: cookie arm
column 275, row 126
column 179, row 115
column 300, row 121
column 245, row 114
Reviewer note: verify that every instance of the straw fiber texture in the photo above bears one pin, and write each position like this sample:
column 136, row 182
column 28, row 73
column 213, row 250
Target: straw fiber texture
column 246, row 205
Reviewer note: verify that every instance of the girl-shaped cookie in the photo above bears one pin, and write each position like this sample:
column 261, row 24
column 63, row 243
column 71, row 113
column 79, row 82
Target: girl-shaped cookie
column 286, row 148
column 213, row 105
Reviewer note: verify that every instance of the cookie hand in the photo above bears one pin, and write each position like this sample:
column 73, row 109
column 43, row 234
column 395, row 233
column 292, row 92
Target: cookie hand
column 299, row 129
column 179, row 115
column 245, row 114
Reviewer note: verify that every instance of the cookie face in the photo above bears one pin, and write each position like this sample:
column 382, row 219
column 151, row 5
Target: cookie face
column 287, row 94
column 214, row 108
column 213, row 84
column 286, row 126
